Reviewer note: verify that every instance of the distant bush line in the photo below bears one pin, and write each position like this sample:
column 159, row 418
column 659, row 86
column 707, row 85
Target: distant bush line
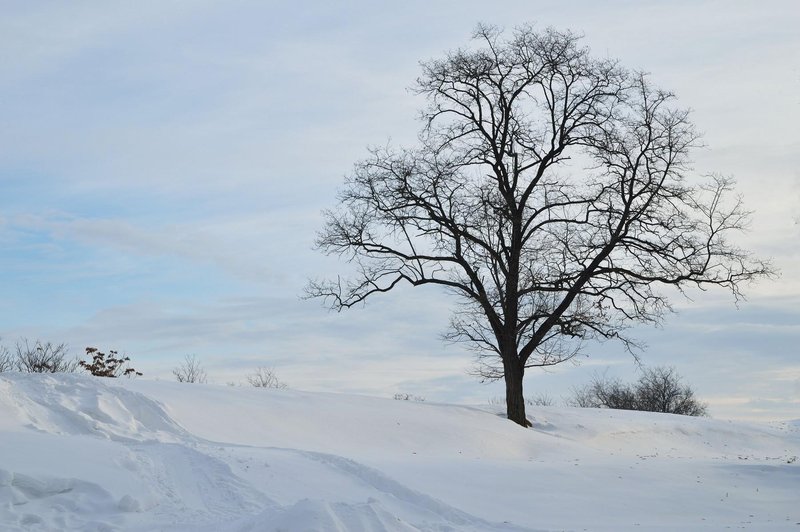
column 659, row 389
column 47, row 357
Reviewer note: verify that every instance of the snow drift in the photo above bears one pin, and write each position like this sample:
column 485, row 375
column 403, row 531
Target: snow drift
column 83, row 453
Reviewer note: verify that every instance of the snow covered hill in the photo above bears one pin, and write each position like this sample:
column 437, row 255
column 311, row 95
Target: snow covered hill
column 89, row 454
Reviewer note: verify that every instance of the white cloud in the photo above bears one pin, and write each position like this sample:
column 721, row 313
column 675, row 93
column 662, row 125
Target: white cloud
column 162, row 181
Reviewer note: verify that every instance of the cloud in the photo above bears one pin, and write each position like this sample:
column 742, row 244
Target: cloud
column 245, row 246
column 161, row 184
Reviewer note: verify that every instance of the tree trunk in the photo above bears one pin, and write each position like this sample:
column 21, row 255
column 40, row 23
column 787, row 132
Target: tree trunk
column 515, row 401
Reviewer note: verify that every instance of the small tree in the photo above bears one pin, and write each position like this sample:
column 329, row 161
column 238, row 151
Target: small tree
column 551, row 192
column 41, row 357
column 107, row 366
column 190, row 371
column 264, row 377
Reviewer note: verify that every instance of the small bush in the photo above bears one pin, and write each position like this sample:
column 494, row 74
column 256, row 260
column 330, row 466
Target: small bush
column 39, row 357
column 539, row 400
column 603, row 392
column 107, row 366
column 408, row 397
column 6, row 360
column 190, row 371
column 264, row 377
column 659, row 389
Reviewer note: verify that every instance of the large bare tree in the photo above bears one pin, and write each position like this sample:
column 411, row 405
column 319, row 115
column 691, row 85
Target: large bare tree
column 550, row 192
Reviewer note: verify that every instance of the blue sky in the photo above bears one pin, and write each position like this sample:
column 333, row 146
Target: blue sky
column 163, row 166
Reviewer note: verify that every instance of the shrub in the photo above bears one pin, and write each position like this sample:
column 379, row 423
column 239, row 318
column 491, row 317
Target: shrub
column 408, row 397
column 107, row 366
column 6, row 360
column 658, row 389
column 539, row 400
column 39, row 357
column 190, row 371
column 603, row 392
column 264, row 377
column 661, row 390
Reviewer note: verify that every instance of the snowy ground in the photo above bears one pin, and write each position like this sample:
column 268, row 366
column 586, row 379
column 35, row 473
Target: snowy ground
column 80, row 453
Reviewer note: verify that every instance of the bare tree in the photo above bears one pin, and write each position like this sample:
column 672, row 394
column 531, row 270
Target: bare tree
column 549, row 193
column 42, row 357
column 264, row 377
column 190, row 370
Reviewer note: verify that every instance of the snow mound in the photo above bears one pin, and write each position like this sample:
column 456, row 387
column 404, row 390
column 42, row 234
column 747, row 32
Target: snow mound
column 55, row 504
column 75, row 404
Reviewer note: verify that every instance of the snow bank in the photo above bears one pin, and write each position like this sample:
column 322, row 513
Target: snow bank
column 81, row 453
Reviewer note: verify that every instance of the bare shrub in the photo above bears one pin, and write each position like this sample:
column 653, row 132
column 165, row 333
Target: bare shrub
column 6, row 360
column 604, row 392
column 190, row 371
column 658, row 390
column 661, row 390
column 111, row 365
column 264, row 377
column 408, row 397
column 541, row 399
column 582, row 397
column 41, row 357
column 613, row 393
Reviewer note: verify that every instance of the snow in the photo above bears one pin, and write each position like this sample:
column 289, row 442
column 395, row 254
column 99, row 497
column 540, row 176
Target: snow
column 91, row 454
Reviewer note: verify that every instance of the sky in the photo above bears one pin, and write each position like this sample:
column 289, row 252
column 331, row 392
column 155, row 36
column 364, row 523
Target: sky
column 164, row 166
